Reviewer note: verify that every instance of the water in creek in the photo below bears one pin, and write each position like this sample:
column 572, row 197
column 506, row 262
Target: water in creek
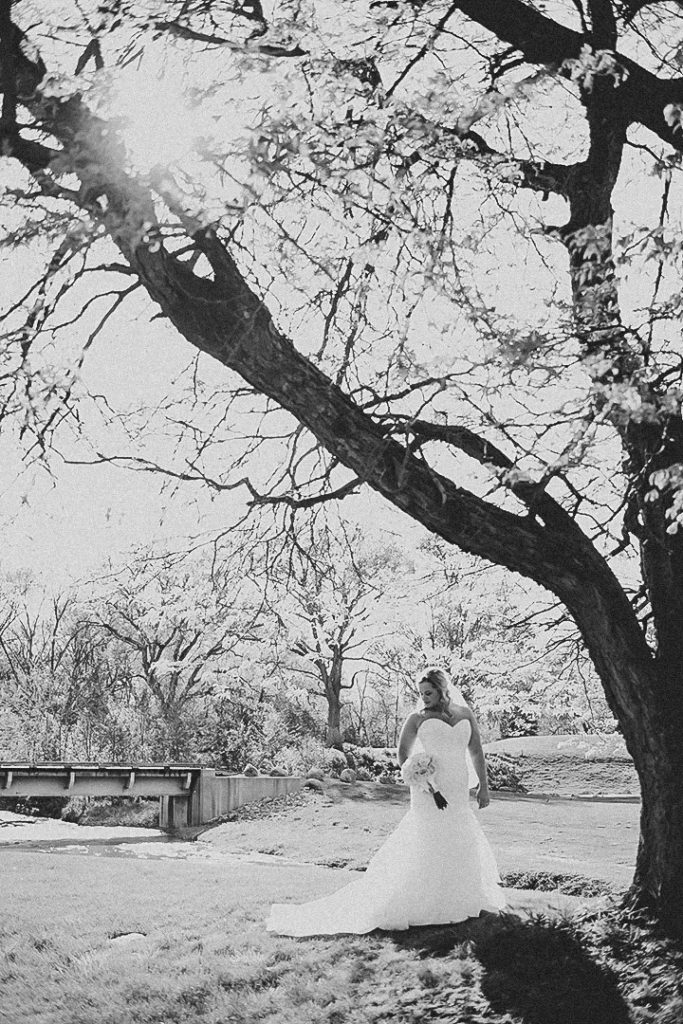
column 36, row 835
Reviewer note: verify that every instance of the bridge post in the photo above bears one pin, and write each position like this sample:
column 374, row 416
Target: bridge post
column 174, row 811
column 202, row 800
column 194, row 808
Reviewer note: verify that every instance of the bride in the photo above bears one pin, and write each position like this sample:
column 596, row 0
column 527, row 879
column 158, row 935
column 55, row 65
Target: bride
column 437, row 866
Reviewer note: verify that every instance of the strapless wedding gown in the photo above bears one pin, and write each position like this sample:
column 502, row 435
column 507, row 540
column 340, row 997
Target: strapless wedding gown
column 435, row 868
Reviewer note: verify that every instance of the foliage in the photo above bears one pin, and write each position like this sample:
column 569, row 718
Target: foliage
column 517, row 722
column 80, row 675
column 185, row 624
column 376, row 761
column 502, row 774
column 497, row 641
column 58, row 687
column 124, row 812
column 36, row 806
column 334, row 762
column 548, row 881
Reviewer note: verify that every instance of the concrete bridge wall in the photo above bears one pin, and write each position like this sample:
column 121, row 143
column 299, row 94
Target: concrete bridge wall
column 213, row 796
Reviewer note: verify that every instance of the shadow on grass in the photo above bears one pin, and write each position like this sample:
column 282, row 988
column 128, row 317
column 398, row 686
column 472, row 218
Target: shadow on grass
column 532, row 968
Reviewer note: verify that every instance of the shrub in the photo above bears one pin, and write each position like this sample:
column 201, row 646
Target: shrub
column 517, row 722
column 334, row 762
column 140, row 812
column 37, row 806
column 76, row 809
column 375, row 761
column 296, row 759
column 502, row 774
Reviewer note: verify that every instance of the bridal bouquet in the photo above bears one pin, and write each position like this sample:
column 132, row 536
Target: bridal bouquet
column 418, row 771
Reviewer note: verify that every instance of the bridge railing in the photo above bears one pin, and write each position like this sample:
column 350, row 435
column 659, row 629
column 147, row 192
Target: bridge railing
column 89, row 779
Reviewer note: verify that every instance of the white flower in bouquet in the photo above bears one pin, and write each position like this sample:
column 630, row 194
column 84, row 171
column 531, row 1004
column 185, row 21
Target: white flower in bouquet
column 419, row 771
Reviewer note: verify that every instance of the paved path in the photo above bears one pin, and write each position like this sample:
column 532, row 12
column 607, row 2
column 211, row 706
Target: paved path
column 345, row 827
column 599, row 840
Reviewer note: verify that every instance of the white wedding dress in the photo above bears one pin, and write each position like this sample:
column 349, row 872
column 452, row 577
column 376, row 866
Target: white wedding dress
column 435, row 868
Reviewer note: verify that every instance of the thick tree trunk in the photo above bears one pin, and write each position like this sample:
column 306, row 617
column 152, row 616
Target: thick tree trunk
column 657, row 884
column 173, row 730
column 649, row 707
column 333, row 688
column 334, row 733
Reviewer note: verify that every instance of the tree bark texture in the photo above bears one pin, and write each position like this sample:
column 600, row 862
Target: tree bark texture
column 332, row 681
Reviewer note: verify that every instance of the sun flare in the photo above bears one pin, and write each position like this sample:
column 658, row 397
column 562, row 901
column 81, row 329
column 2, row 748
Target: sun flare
column 160, row 126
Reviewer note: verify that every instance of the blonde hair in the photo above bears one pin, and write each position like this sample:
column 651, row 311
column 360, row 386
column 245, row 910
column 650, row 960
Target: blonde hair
column 439, row 679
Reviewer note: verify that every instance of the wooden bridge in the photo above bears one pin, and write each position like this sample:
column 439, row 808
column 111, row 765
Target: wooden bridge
column 189, row 794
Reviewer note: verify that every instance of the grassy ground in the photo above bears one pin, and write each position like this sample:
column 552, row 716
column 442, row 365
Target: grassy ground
column 584, row 745
column 116, row 940
column 88, row 940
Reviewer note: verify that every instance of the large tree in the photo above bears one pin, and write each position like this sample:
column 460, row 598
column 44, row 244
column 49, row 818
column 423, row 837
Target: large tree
column 340, row 260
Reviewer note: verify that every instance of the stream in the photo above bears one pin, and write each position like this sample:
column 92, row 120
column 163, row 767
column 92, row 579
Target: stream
column 53, row 836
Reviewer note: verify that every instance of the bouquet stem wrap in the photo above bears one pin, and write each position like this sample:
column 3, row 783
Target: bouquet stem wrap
column 419, row 770
column 439, row 799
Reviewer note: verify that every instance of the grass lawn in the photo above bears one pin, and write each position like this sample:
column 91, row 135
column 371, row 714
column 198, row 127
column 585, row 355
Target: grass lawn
column 86, row 940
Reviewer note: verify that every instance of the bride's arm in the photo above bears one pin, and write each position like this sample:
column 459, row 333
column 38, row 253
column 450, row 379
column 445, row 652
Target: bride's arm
column 479, row 762
column 407, row 737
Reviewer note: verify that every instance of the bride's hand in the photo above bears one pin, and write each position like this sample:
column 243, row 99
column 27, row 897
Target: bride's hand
column 483, row 798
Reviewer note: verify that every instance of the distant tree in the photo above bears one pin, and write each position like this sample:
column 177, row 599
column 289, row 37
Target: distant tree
column 55, row 681
column 187, row 626
column 380, row 703
column 332, row 592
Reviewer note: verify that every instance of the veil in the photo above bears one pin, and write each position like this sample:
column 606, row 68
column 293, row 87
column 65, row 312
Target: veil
column 456, row 696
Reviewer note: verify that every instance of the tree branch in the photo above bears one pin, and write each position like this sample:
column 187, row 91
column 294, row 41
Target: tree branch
column 268, row 49
column 639, row 98
column 532, row 494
